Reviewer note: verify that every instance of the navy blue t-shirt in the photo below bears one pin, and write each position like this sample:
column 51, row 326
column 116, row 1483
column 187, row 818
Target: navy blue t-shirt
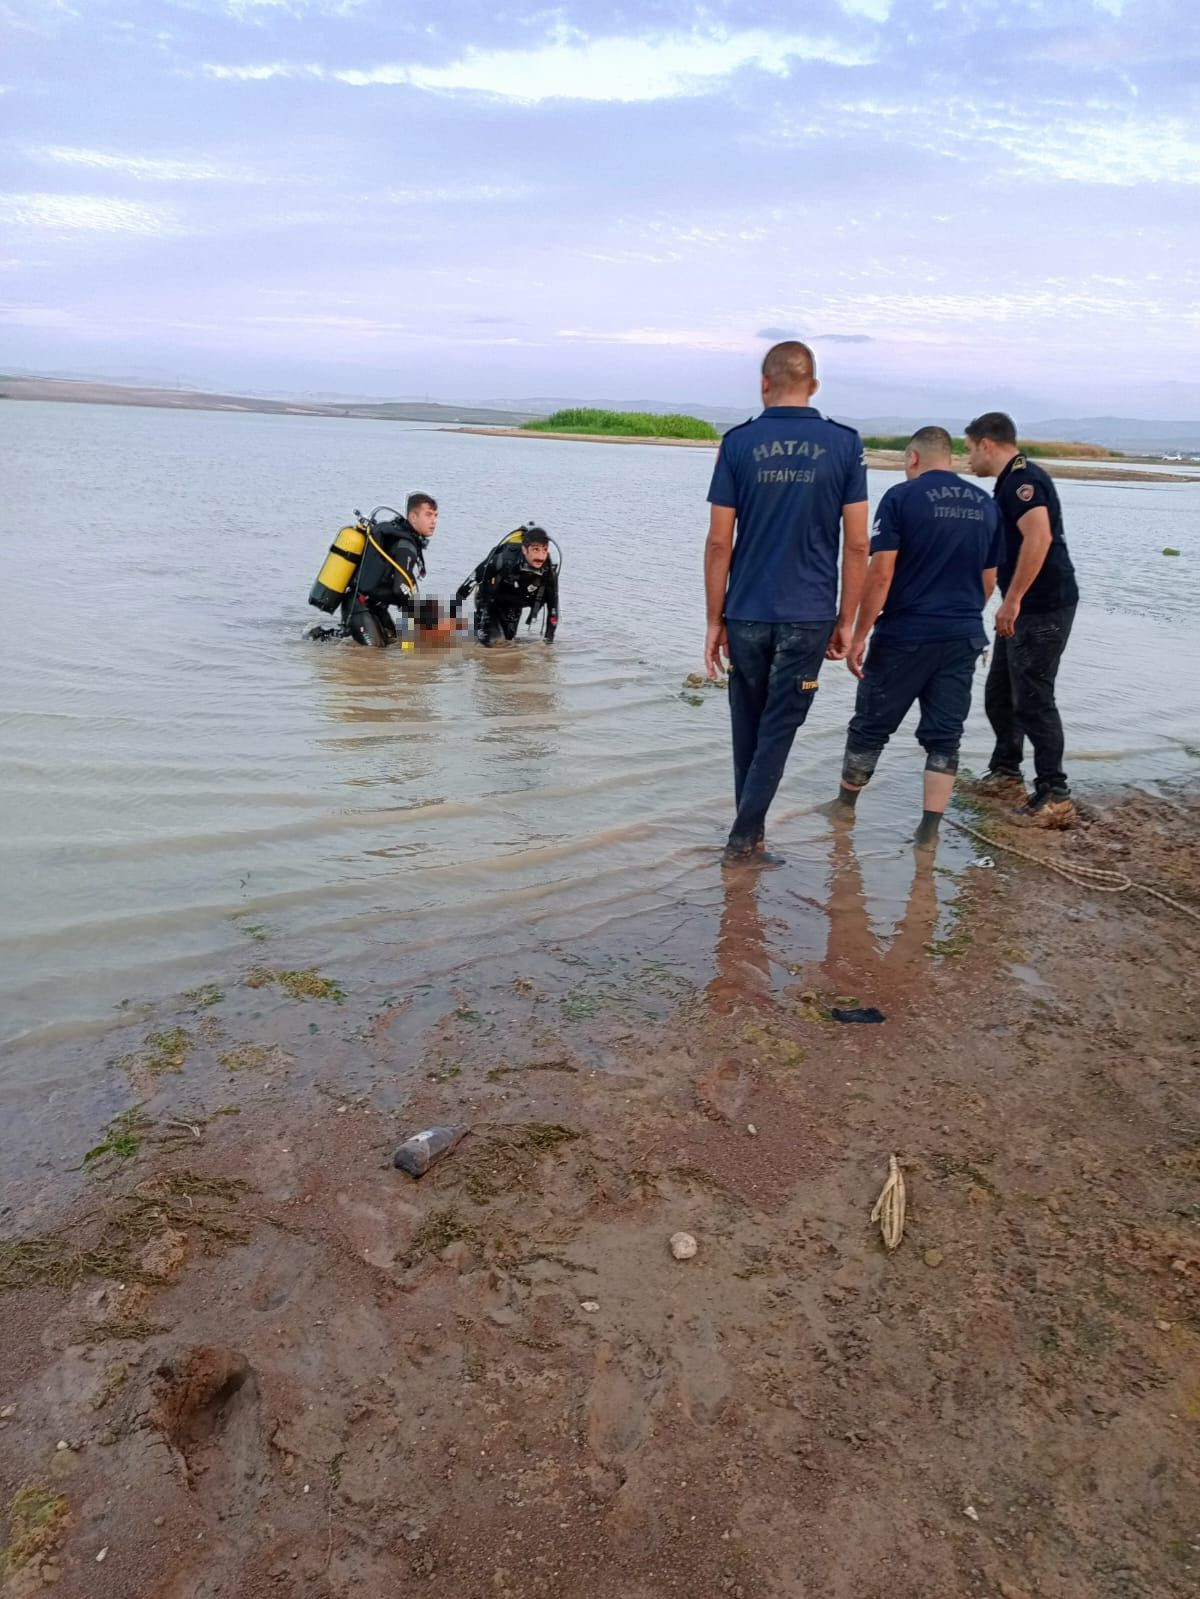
column 947, row 533
column 787, row 474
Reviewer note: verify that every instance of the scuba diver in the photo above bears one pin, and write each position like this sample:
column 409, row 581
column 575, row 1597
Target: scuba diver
column 517, row 574
column 377, row 563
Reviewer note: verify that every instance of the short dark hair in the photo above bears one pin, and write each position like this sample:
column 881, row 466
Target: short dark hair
column 415, row 501
column 931, row 440
column 789, row 365
column 994, row 425
column 535, row 535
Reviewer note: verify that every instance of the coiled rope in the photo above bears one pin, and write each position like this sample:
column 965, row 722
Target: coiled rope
column 1098, row 878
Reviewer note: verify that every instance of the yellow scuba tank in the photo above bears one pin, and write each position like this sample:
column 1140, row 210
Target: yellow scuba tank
column 338, row 569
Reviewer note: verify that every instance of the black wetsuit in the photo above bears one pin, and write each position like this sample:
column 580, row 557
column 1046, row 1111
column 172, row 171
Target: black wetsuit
column 507, row 584
column 391, row 568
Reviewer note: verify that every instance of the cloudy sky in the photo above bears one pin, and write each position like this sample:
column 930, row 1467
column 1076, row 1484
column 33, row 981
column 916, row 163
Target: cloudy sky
column 960, row 203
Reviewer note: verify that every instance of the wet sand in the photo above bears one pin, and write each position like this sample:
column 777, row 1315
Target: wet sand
column 245, row 1356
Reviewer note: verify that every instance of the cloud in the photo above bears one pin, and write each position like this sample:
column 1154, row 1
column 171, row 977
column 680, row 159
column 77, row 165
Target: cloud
column 842, row 338
column 725, row 340
column 620, row 68
column 86, row 213
column 776, row 334
column 261, row 74
column 151, row 168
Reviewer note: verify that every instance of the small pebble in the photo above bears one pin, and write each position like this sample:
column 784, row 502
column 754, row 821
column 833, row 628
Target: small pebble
column 9, row 1410
column 1164, row 1326
column 683, row 1246
column 933, row 1257
column 971, row 1513
column 62, row 1444
column 589, row 1304
column 102, row 1554
column 752, row 1129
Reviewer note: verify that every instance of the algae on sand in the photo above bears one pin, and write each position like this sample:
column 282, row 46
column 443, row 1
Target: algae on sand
column 35, row 1515
column 164, row 1052
column 306, row 984
column 106, row 1241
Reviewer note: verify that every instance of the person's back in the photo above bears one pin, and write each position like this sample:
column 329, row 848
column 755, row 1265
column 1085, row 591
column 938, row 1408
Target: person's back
column 935, row 546
column 783, row 488
column 787, row 474
column 945, row 532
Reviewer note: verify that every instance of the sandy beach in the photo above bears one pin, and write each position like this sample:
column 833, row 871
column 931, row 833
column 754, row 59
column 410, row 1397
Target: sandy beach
column 245, row 1356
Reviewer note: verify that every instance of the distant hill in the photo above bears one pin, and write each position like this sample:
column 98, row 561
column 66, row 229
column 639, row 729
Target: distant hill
column 1132, row 435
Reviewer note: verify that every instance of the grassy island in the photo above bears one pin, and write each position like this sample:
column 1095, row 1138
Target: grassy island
column 624, row 424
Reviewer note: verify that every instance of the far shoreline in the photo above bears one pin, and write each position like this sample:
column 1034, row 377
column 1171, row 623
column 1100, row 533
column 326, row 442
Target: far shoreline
column 879, row 460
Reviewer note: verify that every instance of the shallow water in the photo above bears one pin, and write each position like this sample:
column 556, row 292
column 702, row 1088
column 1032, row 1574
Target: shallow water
column 184, row 774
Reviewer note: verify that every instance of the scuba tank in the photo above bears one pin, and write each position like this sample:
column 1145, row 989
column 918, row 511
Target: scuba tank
column 339, row 567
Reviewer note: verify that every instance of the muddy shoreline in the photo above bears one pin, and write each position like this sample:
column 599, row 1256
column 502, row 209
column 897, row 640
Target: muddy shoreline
column 245, row 1356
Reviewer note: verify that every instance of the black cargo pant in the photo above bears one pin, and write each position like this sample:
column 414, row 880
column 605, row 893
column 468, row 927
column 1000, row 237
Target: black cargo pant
column 1019, row 698
column 494, row 622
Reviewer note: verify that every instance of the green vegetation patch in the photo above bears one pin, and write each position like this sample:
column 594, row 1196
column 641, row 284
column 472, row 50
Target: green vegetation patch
column 306, row 984
column 207, row 994
column 164, row 1052
column 122, row 1139
column 35, row 1516
column 625, row 424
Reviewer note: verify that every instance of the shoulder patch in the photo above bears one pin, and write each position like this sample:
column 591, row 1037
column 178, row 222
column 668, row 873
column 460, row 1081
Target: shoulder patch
column 1019, row 463
column 1025, row 492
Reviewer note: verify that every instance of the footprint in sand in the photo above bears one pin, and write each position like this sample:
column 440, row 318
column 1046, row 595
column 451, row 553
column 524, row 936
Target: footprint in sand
column 703, row 1372
column 621, row 1399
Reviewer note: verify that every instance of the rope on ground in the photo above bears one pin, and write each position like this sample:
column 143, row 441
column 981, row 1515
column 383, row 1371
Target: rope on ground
column 890, row 1206
column 1098, row 878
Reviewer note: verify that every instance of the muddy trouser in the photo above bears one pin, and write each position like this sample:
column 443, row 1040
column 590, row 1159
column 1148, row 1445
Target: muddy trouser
column 367, row 622
column 1019, row 698
column 494, row 622
column 897, row 675
column 772, row 680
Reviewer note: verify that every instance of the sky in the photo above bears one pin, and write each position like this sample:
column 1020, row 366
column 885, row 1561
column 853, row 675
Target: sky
column 960, row 205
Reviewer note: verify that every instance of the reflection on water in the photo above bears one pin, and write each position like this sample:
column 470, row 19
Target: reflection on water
column 180, row 762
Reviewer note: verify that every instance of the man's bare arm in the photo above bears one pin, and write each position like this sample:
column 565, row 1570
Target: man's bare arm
column 1034, row 528
column 856, row 545
column 880, row 572
column 718, row 553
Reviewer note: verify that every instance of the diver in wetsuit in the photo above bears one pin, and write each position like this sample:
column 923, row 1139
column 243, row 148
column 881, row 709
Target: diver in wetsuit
column 392, row 566
column 515, row 576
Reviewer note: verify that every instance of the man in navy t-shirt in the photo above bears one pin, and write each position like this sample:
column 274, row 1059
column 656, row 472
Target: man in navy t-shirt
column 935, row 547
column 790, row 481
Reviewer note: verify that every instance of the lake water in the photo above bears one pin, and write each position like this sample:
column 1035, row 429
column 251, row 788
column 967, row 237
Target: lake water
column 181, row 767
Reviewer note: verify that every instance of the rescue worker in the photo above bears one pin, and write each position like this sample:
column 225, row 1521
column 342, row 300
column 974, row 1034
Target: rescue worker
column 392, row 566
column 1033, row 624
column 935, row 547
column 517, row 575
column 794, row 486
